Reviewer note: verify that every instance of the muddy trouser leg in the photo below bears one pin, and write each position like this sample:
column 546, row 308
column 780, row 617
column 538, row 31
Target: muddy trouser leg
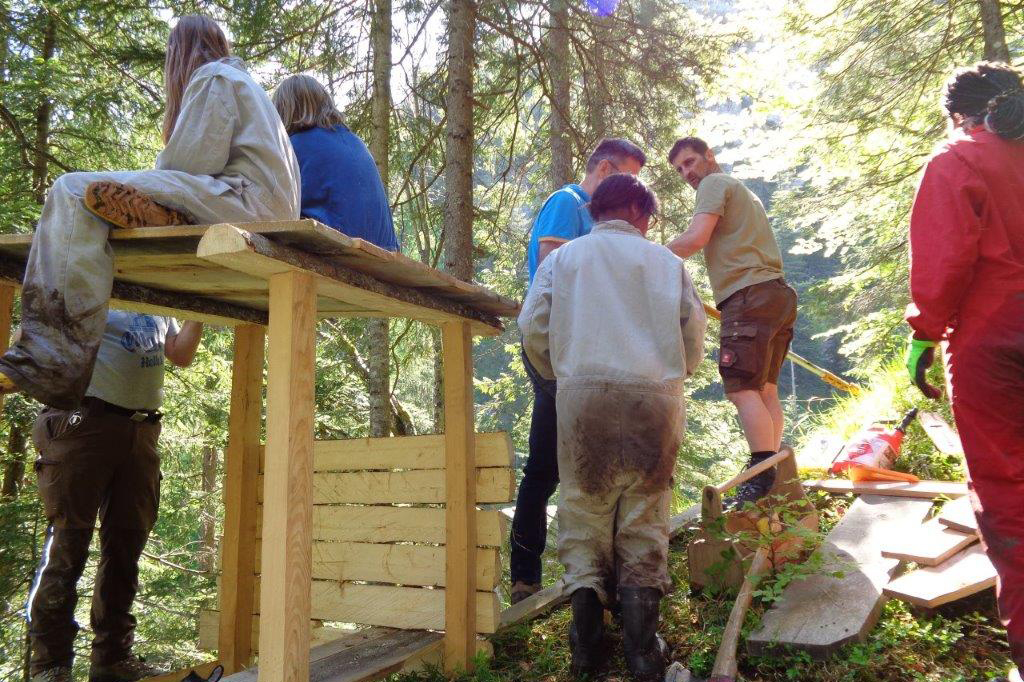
column 54, row 595
column 586, row 506
column 540, row 478
column 641, row 538
column 991, row 363
column 69, row 275
column 126, row 521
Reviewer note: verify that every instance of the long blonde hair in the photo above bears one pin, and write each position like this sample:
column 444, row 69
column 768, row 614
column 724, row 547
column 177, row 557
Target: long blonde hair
column 303, row 103
column 194, row 41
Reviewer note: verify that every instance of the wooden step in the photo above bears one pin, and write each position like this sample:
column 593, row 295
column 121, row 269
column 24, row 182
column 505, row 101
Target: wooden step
column 967, row 573
column 959, row 515
column 931, row 545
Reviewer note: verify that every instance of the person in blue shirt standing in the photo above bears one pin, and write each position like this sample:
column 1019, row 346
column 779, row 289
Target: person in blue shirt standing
column 341, row 186
column 563, row 217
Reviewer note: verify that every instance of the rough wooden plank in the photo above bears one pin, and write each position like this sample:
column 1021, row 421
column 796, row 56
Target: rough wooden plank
column 923, row 489
column 959, row 515
column 288, row 482
column 203, row 669
column 967, row 573
column 256, row 255
column 405, row 452
column 398, row 564
column 461, row 491
column 355, row 523
column 408, row 608
column 6, row 316
column 929, row 545
column 209, row 626
column 941, row 433
column 238, row 547
column 823, row 612
column 426, row 486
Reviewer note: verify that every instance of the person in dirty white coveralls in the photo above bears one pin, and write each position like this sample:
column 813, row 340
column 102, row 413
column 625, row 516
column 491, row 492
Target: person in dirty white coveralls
column 616, row 320
column 226, row 158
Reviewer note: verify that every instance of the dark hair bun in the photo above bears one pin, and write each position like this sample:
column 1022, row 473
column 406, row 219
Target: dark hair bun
column 1005, row 115
column 622, row 191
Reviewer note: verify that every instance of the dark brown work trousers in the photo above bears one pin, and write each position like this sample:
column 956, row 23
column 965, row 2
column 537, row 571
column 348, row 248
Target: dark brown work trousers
column 92, row 462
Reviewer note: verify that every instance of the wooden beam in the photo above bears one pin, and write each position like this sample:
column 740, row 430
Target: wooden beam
column 426, row 486
column 405, row 452
column 203, row 669
column 928, row 490
column 460, row 495
column 256, row 255
column 967, row 573
column 241, row 459
column 6, row 317
column 397, row 564
column 352, row 523
column 288, row 482
column 209, row 630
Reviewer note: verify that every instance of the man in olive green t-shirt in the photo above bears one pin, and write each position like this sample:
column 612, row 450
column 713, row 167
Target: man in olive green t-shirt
column 758, row 307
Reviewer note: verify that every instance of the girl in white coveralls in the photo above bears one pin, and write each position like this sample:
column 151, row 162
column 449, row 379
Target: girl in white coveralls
column 226, row 158
column 616, row 320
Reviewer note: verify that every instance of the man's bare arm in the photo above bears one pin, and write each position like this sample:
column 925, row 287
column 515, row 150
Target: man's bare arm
column 546, row 247
column 181, row 348
column 696, row 236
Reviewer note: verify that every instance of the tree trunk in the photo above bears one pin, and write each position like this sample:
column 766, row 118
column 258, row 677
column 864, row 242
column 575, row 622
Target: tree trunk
column 458, row 174
column 996, row 49
column 40, row 166
column 598, row 96
column 14, row 469
column 208, row 553
column 558, row 68
column 378, row 335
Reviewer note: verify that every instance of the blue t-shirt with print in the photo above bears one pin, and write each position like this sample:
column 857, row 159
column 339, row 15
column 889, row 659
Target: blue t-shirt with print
column 563, row 217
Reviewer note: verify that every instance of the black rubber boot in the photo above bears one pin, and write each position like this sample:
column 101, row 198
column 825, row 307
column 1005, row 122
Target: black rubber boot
column 757, row 487
column 586, row 634
column 646, row 652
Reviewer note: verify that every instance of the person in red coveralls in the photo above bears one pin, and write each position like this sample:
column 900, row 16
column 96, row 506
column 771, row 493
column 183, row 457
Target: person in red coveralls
column 967, row 288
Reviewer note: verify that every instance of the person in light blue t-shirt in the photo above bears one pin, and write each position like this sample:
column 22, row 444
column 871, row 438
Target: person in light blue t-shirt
column 563, row 217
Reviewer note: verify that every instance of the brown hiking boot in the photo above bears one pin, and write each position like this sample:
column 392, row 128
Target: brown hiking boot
column 124, row 206
column 129, row 670
column 58, row 674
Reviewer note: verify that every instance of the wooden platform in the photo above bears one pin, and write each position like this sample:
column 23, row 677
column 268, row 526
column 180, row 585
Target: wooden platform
column 219, row 274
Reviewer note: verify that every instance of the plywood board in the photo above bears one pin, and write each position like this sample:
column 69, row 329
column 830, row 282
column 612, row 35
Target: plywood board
column 408, row 608
column 405, row 452
column 841, row 604
column 967, row 573
column 941, row 433
column 929, row 545
column 398, row 564
column 493, row 484
column 959, row 515
column 923, row 489
column 357, row 523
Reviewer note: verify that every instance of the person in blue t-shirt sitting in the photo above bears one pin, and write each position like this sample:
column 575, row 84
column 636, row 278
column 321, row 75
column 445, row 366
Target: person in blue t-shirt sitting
column 341, row 186
column 564, row 217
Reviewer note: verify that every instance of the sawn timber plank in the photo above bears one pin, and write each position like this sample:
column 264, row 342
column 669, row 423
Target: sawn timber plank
column 967, row 573
column 944, row 437
column 959, row 515
column 924, row 489
column 929, row 545
column 842, row 602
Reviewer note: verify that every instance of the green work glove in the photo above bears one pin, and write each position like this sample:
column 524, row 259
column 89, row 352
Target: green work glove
column 920, row 356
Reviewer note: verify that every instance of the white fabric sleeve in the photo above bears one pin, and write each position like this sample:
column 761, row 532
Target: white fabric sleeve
column 534, row 320
column 694, row 322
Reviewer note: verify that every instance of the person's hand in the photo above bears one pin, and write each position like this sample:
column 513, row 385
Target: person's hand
column 920, row 356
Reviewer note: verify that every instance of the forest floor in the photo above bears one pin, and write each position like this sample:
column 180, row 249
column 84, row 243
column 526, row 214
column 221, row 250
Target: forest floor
column 962, row 642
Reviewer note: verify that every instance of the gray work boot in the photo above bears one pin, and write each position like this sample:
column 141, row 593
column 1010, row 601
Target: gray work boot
column 646, row 652
column 586, row 634
column 521, row 591
column 129, row 670
column 57, row 674
column 754, row 489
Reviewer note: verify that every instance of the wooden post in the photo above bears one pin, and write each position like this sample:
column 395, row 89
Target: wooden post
column 6, row 314
column 241, row 471
column 288, row 481
column 460, row 502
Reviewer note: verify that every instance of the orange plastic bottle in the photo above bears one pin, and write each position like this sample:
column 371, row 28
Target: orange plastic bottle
column 871, row 454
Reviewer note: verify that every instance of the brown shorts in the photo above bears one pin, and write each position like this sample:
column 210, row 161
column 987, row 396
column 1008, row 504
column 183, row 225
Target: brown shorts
column 757, row 328
column 92, row 462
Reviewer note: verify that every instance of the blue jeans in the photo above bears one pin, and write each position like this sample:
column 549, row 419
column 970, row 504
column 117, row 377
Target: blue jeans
column 540, row 478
